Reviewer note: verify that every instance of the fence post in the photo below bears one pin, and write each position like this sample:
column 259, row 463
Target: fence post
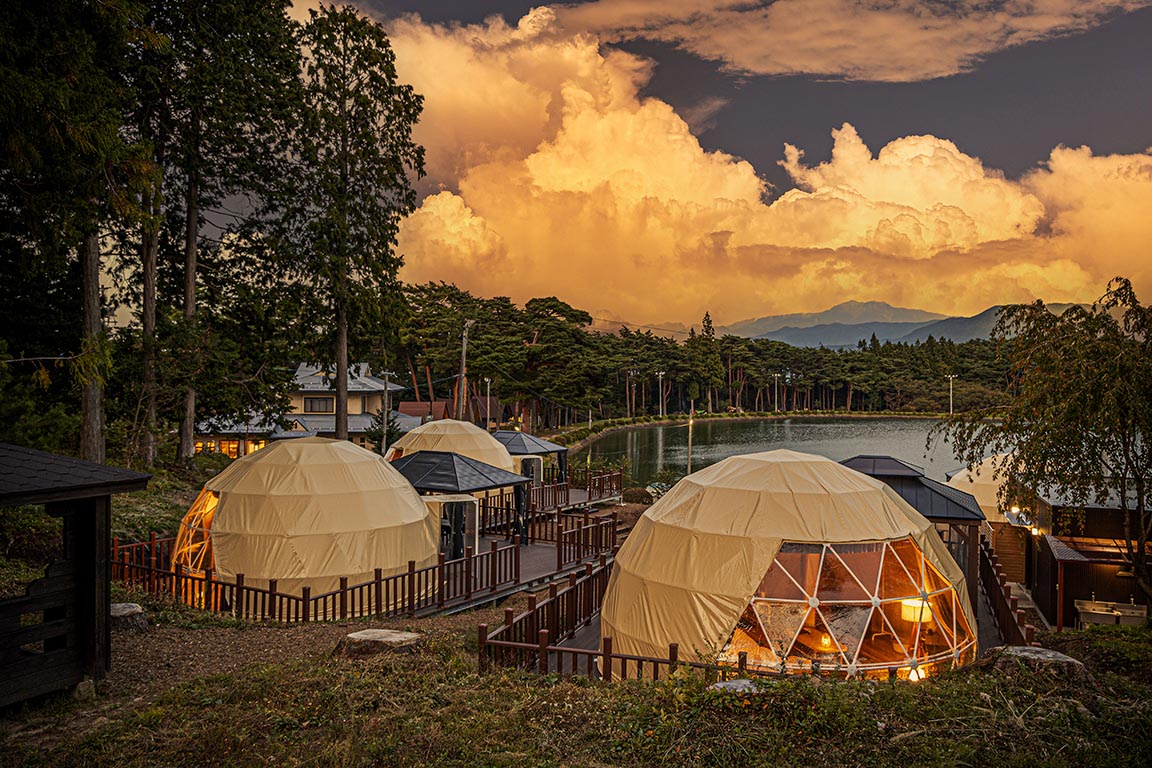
column 177, row 586
column 306, row 603
column 238, row 602
column 559, row 541
column 1029, row 634
column 152, row 563
column 606, row 660
column 742, row 663
column 673, row 656
column 343, row 597
column 441, row 580
column 469, row 565
column 378, row 579
column 542, row 661
column 516, row 557
column 277, row 603
column 482, row 639
column 494, row 567
column 411, row 588
column 206, row 596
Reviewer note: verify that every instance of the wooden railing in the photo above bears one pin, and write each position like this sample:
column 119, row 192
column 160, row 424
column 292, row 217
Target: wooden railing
column 580, row 537
column 146, row 566
column 600, row 483
column 531, row 640
column 1006, row 612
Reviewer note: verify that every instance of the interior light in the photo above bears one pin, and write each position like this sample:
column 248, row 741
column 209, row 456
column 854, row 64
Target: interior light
column 915, row 610
column 1015, row 510
column 915, row 674
column 1035, row 531
column 825, row 641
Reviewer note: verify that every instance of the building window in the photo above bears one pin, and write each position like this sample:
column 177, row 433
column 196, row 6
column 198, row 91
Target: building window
column 319, row 405
column 256, row 445
column 230, row 448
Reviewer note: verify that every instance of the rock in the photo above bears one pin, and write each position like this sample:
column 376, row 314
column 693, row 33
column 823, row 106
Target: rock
column 369, row 642
column 743, row 685
column 1042, row 661
column 128, row 617
column 85, row 690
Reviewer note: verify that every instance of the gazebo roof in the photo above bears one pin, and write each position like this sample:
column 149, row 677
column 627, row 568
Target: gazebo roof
column 444, row 472
column 933, row 499
column 28, row 476
column 521, row 444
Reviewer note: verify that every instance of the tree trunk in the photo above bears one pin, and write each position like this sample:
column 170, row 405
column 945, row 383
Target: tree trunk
column 341, row 373
column 149, row 247
column 92, row 388
column 187, row 448
column 412, row 372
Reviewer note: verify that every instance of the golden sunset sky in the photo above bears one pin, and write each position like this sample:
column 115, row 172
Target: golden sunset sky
column 554, row 170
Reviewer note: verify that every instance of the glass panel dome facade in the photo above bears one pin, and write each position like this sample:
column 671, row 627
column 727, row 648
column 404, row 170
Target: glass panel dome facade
column 853, row 609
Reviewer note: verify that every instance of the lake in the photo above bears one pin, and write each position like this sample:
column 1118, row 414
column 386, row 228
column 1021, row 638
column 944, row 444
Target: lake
column 655, row 448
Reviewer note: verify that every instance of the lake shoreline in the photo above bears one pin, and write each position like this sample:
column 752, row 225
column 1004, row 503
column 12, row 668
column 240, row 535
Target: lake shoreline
column 799, row 416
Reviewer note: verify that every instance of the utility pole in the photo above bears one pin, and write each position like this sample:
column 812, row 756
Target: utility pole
column 387, row 413
column 950, row 377
column 691, row 414
column 462, row 381
column 632, row 373
column 660, row 379
column 488, row 403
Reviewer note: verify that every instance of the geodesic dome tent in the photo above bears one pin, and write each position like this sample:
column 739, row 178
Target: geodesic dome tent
column 791, row 559
column 454, row 436
column 984, row 486
column 306, row 512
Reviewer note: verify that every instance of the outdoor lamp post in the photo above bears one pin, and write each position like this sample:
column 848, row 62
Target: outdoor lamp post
column 660, row 379
column 776, row 401
column 488, row 403
column 950, row 377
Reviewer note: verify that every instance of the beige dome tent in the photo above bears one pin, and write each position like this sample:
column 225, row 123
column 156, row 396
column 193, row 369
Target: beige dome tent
column 306, row 512
column 789, row 558
column 454, row 437
column 982, row 483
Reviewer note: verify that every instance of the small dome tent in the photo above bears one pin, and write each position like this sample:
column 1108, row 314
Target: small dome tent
column 306, row 512
column 982, row 483
column 454, row 437
column 790, row 559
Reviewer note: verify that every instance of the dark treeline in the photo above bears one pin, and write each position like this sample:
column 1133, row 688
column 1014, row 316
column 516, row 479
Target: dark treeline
column 189, row 206
column 544, row 359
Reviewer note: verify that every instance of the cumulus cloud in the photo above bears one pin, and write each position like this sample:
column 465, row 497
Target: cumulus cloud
column 881, row 40
column 551, row 175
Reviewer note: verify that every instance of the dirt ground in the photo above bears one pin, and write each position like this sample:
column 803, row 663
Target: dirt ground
column 146, row 665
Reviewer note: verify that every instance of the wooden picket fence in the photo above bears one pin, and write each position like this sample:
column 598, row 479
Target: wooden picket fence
column 531, row 640
column 147, row 565
column 1006, row 612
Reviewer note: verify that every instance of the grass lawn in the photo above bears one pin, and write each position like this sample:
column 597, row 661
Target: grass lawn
column 198, row 691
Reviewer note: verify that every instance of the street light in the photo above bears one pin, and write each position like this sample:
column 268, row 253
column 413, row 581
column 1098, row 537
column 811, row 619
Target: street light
column 660, row 379
column 776, row 402
column 488, row 403
column 950, row 377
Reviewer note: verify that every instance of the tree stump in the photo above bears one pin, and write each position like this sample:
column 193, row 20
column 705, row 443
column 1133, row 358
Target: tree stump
column 369, row 642
column 128, row 617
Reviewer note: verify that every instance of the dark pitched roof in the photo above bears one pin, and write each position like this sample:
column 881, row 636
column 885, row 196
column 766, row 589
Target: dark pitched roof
column 28, row 476
column 883, row 466
column 313, row 378
column 444, row 472
column 933, row 499
column 520, row 444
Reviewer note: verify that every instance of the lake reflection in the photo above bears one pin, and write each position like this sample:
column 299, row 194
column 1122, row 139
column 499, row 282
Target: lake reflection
column 651, row 449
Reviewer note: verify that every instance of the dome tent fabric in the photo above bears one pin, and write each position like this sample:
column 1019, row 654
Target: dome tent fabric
column 306, row 512
column 790, row 558
column 982, row 484
column 455, row 437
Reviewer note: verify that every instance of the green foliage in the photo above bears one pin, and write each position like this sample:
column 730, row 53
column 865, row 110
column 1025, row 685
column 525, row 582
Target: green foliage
column 1079, row 419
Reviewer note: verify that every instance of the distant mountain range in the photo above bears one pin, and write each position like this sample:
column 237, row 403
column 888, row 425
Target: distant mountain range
column 847, row 324
column 849, row 313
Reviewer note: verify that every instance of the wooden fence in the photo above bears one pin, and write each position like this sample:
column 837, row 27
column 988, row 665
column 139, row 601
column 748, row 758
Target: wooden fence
column 146, row 566
column 1006, row 612
column 531, row 640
